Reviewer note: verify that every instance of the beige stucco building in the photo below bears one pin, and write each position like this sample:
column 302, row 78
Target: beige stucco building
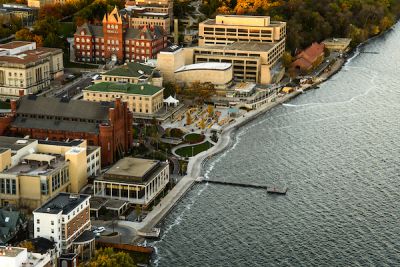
column 141, row 98
column 226, row 29
column 33, row 171
column 25, row 67
column 219, row 74
column 140, row 19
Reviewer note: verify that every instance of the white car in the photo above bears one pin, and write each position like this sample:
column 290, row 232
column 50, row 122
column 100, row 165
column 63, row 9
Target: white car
column 99, row 230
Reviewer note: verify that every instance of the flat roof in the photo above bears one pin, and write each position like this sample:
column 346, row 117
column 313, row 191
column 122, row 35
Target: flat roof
column 127, row 88
column 132, row 167
column 63, row 202
column 133, row 171
column 205, row 66
column 10, row 251
column 34, row 169
column 96, row 203
column 39, row 157
column 115, row 204
column 14, row 143
column 14, row 44
column 71, row 143
column 156, row 14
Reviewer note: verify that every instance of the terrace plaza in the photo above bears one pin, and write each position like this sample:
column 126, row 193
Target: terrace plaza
column 138, row 181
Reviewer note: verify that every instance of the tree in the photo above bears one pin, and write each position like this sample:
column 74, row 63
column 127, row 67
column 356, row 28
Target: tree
column 24, row 35
column 189, row 119
column 108, row 258
column 287, row 59
column 210, row 110
column 202, row 124
column 27, row 244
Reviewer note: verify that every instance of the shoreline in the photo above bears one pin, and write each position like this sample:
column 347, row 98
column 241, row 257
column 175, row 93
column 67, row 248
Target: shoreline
column 195, row 164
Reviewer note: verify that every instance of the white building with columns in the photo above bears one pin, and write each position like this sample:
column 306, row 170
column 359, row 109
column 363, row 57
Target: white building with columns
column 138, row 181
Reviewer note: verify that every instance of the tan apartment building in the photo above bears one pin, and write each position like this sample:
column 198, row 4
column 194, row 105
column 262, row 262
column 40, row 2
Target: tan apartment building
column 65, row 220
column 25, row 67
column 33, row 171
column 141, row 98
column 227, row 29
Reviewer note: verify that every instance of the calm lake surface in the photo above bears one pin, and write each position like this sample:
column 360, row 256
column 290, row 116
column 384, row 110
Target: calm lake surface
column 336, row 148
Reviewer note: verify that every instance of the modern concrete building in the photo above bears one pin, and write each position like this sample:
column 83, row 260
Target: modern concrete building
column 32, row 171
column 140, row 98
column 219, row 74
column 19, row 257
column 138, row 181
column 154, row 6
column 65, row 220
column 24, row 67
column 251, row 61
column 227, row 29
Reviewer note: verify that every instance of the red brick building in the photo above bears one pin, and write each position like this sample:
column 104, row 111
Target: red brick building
column 107, row 125
column 114, row 40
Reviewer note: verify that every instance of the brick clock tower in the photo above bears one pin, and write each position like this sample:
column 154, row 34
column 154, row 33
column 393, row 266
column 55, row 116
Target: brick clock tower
column 114, row 27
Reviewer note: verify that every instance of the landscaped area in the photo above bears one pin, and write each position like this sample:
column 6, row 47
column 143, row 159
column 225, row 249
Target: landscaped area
column 194, row 138
column 187, row 151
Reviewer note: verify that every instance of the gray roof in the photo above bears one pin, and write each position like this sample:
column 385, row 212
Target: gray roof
column 9, row 220
column 63, row 202
column 92, row 30
column 53, row 124
column 7, row 142
column 55, row 107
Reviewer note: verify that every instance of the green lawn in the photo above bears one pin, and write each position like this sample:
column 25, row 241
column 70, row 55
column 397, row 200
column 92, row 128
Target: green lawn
column 194, row 138
column 187, row 151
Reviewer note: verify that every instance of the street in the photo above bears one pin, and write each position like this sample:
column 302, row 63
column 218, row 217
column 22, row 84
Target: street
column 126, row 234
column 75, row 87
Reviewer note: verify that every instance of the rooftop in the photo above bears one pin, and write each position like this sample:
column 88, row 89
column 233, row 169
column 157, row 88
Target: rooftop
column 11, row 252
column 29, row 56
column 130, row 70
column 63, row 202
column 14, row 143
column 134, row 170
column 205, row 66
column 53, row 107
column 14, row 44
column 71, row 143
column 127, row 88
column 37, row 165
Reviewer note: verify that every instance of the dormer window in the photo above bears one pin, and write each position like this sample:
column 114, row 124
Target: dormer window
column 116, row 26
column 82, row 32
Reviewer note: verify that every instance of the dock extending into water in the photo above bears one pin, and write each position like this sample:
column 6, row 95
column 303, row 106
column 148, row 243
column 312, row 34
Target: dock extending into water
column 270, row 189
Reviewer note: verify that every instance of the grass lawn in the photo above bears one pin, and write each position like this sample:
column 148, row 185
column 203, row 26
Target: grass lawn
column 194, row 138
column 187, row 151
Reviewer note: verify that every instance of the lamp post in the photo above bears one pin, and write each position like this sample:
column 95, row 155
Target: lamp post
column 192, row 151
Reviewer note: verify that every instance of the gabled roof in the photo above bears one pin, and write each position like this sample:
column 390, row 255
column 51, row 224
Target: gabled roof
column 149, row 33
column 49, row 106
column 91, row 30
column 132, row 69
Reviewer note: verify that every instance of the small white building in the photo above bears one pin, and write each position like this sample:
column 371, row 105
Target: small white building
column 138, row 181
column 63, row 219
column 19, row 257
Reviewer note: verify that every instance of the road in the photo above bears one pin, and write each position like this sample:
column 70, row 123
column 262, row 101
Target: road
column 126, row 234
column 72, row 89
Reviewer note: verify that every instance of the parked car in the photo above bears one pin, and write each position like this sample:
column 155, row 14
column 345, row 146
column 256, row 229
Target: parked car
column 99, row 230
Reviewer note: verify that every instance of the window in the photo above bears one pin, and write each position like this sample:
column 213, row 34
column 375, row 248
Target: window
column 52, row 222
column 38, row 221
column 38, row 230
column 52, row 231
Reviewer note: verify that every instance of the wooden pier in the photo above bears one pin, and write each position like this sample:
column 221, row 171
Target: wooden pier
column 270, row 189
